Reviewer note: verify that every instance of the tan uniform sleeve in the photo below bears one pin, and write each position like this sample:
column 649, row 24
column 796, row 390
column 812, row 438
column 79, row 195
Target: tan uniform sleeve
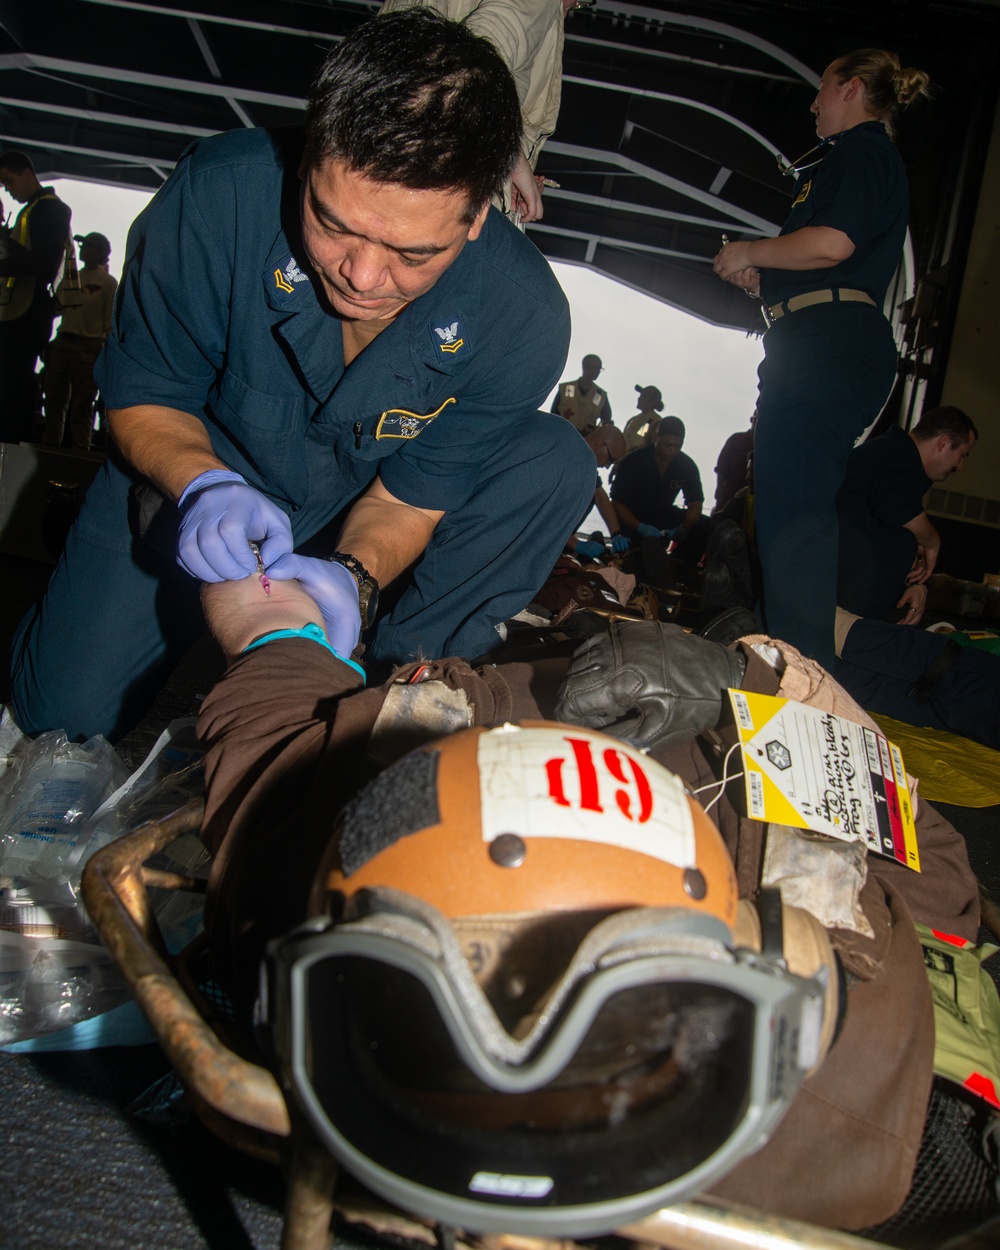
column 528, row 34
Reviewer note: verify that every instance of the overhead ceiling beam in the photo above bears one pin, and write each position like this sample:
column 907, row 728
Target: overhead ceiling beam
column 58, row 65
column 800, row 72
column 129, row 159
column 208, row 56
column 716, row 225
column 200, row 15
column 746, row 71
column 602, row 240
column 737, row 217
column 685, row 102
column 669, row 17
column 109, row 119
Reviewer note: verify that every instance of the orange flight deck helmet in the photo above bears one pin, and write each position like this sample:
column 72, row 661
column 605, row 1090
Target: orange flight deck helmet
column 520, row 1005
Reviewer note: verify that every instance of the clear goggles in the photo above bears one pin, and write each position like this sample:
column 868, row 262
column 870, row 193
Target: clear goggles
column 659, row 1059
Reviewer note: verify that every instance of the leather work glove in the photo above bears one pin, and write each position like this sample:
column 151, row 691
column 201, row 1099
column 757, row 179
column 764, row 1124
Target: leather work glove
column 649, row 682
column 592, row 550
column 648, row 531
column 220, row 514
column 619, row 543
column 335, row 592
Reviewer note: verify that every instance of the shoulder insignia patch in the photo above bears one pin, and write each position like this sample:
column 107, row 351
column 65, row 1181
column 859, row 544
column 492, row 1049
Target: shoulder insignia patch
column 803, row 194
column 288, row 275
column 401, row 423
column 448, row 337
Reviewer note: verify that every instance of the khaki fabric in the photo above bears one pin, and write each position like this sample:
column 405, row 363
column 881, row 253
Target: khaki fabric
column 583, row 412
column 528, row 34
column 640, row 431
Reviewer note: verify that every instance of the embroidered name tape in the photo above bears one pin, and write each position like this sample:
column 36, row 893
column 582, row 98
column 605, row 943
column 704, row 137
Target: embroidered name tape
column 401, row 423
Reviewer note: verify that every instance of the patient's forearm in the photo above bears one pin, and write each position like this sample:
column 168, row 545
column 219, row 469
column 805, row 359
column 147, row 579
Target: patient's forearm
column 239, row 612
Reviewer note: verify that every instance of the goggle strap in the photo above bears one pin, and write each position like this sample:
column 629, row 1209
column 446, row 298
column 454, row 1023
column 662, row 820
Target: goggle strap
column 772, row 925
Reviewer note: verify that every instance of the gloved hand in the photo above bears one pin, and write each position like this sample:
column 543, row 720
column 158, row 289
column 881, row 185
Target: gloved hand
column 648, row 531
column 590, row 550
column 335, row 592
column 649, row 682
column 619, row 543
column 220, row 513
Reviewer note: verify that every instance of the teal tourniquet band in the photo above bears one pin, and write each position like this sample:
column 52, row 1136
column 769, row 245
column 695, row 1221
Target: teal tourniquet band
column 314, row 633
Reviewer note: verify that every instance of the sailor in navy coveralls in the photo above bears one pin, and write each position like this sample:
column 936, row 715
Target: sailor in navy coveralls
column 830, row 356
column 357, row 343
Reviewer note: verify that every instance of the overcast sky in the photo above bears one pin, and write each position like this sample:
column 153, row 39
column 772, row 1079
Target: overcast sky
column 707, row 375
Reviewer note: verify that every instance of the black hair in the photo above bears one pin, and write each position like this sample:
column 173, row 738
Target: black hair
column 16, row 162
column 671, row 425
column 642, row 390
column 946, row 420
column 414, row 99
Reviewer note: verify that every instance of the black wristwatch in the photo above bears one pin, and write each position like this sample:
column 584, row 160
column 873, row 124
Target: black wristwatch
column 367, row 586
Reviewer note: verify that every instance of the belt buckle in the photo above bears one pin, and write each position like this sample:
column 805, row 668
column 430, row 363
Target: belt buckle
column 765, row 312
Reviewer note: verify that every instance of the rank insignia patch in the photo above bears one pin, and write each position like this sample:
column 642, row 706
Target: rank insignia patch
column 401, row 423
column 288, row 275
column 447, row 337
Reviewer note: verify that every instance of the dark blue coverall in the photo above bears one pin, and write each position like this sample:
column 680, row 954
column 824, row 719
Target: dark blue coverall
column 826, row 373
column 883, row 490
column 217, row 316
column 891, row 669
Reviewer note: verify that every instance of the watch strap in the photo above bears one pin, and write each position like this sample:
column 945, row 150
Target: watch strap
column 368, row 588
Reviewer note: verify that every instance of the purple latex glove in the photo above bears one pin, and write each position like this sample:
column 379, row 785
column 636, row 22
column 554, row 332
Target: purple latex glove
column 619, row 543
column 590, row 550
column 648, row 531
column 220, row 514
column 335, row 592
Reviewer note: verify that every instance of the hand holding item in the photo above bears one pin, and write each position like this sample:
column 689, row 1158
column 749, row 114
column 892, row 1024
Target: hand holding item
column 335, row 592
column 732, row 258
column 526, row 191
column 747, row 280
column 220, row 516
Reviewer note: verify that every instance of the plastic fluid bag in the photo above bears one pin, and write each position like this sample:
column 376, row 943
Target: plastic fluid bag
column 55, row 976
column 171, row 774
column 13, row 745
column 59, row 785
column 50, row 984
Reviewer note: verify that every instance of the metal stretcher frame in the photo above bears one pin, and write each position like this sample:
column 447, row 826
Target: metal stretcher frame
column 242, row 1103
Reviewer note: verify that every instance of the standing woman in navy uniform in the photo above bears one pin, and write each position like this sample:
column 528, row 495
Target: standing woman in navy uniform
column 830, row 358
